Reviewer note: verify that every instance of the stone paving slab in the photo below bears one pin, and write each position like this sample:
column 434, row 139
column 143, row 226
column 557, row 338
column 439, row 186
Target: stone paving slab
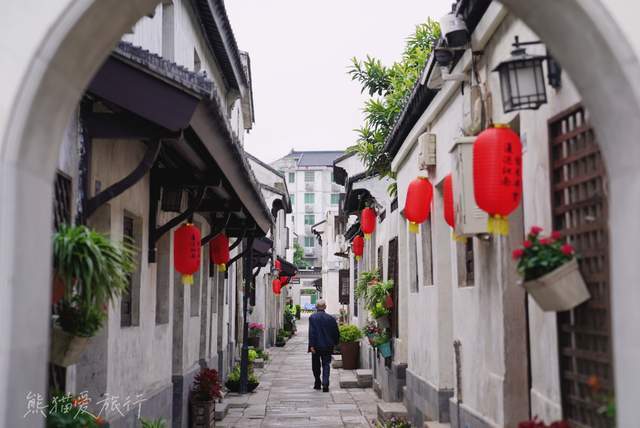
column 286, row 398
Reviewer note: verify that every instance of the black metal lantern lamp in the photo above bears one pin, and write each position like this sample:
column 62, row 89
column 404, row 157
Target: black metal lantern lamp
column 522, row 79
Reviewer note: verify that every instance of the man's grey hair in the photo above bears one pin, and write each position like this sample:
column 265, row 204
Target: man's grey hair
column 321, row 304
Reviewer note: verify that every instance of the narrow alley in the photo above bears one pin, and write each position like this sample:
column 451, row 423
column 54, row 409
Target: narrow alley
column 286, row 396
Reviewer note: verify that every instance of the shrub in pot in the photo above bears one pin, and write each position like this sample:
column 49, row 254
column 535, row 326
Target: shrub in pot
column 95, row 271
column 350, row 336
column 233, row 380
column 206, row 389
column 255, row 332
column 381, row 314
column 550, row 272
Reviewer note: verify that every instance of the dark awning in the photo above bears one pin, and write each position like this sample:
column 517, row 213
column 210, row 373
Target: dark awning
column 352, row 232
column 286, row 268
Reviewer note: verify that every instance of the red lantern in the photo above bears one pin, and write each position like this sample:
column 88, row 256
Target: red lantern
column 497, row 175
column 284, row 280
column 447, row 196
column 418, row 203
column 219, row 251
column 278, row 265
column 358, row 246
column 276, row 286
column 368, row 222
column 186, row 251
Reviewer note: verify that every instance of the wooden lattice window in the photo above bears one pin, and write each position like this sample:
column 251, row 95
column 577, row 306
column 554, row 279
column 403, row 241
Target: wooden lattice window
column 61, row 200
column 392, row 274
column 126, row 304
column 579, row 204
column 130, row 301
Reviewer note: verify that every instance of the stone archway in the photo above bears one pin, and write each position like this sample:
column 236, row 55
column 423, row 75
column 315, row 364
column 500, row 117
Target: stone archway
column 50, row 50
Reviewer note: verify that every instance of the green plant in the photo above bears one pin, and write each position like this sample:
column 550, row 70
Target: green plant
column 234, row 376
column 95, row 271
column 389, row 89
column 349, row 333
column 394, row 422
column 206, row 385
column 156, row 423
column 298, row 257
column 380, row 338
column 377, row 293
column 252, row 355
column 540, row 256
column 364, row 280
column 378, row 310
column 66, row 411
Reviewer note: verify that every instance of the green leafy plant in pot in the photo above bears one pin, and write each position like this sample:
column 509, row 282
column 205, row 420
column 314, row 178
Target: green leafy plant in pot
column 95, row 271
column 365, row 280
column 350, row 336
column 206, row 389
column 377, row 300
column 550, row 271
column 233, row 380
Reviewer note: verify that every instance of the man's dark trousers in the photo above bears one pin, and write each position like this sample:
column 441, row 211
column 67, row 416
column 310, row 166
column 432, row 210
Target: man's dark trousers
column 321, row 356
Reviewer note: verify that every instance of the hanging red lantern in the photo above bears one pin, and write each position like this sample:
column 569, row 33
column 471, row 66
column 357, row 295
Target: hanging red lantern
column 368, row 222
column 358, row 246
column 186, row 251
column 417, row 206
column 447, row 196
column 278, row 265
column 284, row 280
column 219, row 251
column 276, row 286
column 497, row 175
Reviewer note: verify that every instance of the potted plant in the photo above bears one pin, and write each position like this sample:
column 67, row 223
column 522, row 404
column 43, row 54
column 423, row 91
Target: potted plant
column 233, row 380
column 378, row 294
column 550, row 272
column 156, row 423
column 206, row 389
column 65, row 410
column 298, row 311
column 95, row 271
column 281, row 338
column 255, row 331
column 381, row 315
column 364, row 281
column 371, row 330
column 382, row 342
column 350, row 336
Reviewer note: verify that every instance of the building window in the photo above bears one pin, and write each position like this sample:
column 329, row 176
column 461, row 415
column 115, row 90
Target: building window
column 309, row 219
column 292, row 198
column 335, row 198
column 309, row 198
column 197, row 64
column 466, row 268
column 292, row 177
column 412, row 241
column 130, row 301
column 427, row 252
column 309, row 241
column 309, row 176
column 62, row 201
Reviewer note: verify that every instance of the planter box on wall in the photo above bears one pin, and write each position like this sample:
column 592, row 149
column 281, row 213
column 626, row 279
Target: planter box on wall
column 350, row 355
column 66, row 349
column 385, row 349
column 559, row 290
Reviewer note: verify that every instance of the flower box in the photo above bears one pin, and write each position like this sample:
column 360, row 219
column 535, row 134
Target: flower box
column 65, row 348
column 559, row 290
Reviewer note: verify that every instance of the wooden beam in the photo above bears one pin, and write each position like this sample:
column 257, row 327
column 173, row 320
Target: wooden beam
column 124, row 126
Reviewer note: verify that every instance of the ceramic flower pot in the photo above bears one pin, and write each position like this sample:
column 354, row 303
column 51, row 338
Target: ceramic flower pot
column 388, row 302
column 65, row 348
column 202, row 413
column 385, row 349
column 559, row 290
column 350, row 355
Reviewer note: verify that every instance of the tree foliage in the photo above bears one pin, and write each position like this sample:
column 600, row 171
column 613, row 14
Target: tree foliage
column 389, row 88
column 298, row 257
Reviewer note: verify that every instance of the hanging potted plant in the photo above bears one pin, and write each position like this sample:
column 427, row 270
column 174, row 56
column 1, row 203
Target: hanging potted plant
column 550, row 272
column 377, row 300
column 365, row 280
column 371, row 330
column 350, row 336
column 382, row 342
column 206, row 389
column 255, row 331
column 95, row 271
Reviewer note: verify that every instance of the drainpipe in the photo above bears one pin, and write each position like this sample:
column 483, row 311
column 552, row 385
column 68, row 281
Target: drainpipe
column 248, row 279
column 456, row 349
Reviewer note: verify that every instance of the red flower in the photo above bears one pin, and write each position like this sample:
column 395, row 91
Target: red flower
column 527, row 244
column 517, row 253
column 535, row 230
column 594, row 383
column 567, row 249
column 556, row 235
column 546, row 241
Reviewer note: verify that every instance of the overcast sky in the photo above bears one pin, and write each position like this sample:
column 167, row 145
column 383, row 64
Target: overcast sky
column 300, row 51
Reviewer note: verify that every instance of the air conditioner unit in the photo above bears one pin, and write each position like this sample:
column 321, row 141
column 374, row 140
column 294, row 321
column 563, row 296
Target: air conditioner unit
column 426, row 151
column 470, row 220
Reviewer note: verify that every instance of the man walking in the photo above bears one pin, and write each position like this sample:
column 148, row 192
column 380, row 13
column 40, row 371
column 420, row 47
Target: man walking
column 323, row 336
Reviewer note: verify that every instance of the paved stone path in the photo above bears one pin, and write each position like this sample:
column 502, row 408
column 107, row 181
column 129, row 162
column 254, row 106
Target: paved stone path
column 286, row 398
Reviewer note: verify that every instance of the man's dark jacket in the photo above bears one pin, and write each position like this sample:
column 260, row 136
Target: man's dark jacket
column 323, row 331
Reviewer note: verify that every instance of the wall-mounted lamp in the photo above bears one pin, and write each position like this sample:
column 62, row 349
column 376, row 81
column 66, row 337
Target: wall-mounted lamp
column 522, row 80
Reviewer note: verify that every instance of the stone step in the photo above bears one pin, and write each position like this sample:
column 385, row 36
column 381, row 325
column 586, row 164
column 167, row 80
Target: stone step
column 337, row 362
column 221, row 411
column 365, row 378
column 388, row 410
column 437, row 425
column 348, row 379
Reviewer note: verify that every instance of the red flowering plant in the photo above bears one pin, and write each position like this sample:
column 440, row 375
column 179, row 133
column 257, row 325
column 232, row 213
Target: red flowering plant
column 541, row 255
column 537, row 423
column 206, row 385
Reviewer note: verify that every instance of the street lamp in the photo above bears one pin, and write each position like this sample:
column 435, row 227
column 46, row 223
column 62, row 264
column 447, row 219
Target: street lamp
column 522, row 79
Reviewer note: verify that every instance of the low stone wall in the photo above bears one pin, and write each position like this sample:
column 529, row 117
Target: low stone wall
column 462, row 417
column 157, row 405
column 424, row 402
